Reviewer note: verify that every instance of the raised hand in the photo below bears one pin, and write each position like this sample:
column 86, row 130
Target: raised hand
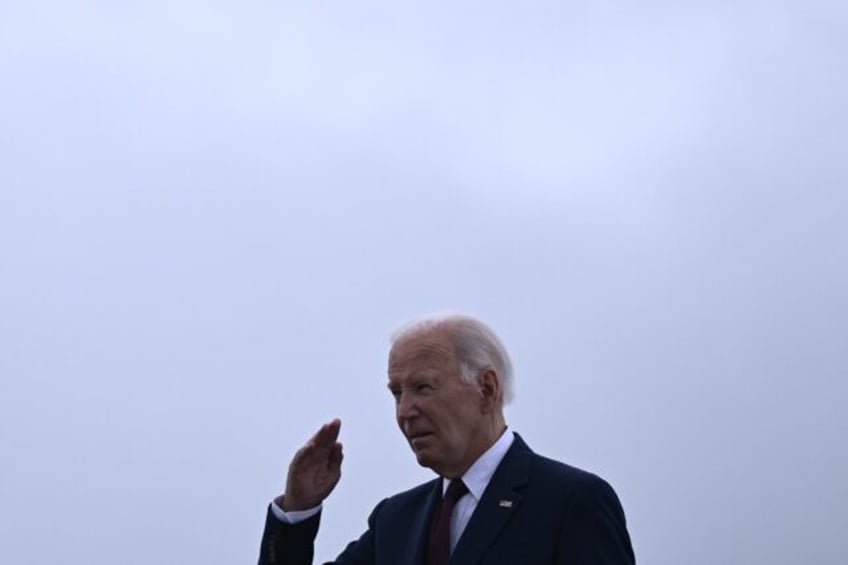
column 314, row 470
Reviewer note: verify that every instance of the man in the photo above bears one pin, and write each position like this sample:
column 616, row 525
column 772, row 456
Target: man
column 495, row 501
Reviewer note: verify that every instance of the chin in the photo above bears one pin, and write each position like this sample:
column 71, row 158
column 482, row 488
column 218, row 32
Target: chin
column 424, row 460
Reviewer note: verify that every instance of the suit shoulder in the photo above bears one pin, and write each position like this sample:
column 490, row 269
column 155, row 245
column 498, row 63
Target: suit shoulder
column 568, row 479
column 412, row 497
column 417, row 491
column 395, row 512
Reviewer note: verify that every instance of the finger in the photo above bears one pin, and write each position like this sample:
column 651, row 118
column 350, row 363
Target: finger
column 317, row 449
column 336, row 456
column 327, row 435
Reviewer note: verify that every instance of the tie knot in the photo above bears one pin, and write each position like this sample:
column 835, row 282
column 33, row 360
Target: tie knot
column 456, row 489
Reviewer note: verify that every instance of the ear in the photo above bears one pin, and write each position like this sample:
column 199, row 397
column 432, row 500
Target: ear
column 490, row 390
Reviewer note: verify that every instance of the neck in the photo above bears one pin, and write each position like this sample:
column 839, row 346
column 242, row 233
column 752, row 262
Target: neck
column 492, row 431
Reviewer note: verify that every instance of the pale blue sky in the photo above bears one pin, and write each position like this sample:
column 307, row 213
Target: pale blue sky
column 212, row 215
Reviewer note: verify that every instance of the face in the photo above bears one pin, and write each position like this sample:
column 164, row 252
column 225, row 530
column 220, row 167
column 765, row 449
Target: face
column 443, row 418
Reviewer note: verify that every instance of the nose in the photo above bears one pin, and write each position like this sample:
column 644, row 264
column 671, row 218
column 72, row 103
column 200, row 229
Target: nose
column 406, row 407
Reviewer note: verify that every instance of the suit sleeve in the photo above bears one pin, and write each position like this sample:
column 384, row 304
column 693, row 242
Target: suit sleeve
column 596, row 533
column 294, row 544
column 288, row 544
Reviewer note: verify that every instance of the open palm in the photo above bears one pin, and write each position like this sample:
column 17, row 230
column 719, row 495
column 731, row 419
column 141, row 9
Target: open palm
column 315, row 469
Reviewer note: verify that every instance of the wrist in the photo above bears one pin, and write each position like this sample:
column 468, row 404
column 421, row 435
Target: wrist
column 292, row 504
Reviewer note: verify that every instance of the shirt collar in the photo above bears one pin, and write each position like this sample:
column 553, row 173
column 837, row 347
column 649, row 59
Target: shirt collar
column 477, row 477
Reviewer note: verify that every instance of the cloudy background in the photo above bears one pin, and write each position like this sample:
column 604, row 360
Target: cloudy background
column 212, row 215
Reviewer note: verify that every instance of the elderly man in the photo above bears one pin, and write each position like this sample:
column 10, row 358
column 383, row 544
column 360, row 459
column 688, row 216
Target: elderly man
column 495, row 500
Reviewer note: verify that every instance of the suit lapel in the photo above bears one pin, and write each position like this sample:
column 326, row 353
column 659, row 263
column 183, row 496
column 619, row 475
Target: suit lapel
column 420, row 526
column 499, row 502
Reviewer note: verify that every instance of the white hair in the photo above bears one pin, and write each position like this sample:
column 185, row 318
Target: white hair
column 476, row 346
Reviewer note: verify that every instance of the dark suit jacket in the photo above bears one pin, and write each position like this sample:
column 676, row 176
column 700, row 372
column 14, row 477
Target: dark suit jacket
column 535, row 511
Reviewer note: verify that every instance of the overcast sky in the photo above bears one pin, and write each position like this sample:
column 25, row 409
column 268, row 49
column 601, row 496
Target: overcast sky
column 213, row 214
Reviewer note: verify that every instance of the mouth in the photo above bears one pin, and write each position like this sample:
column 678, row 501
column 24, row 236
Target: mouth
column 417, row 437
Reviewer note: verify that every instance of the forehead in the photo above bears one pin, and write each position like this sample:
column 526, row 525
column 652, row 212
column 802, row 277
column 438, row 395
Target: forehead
column 415, row 352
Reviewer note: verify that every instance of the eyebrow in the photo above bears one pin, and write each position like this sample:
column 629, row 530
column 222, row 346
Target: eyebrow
column 418, row 377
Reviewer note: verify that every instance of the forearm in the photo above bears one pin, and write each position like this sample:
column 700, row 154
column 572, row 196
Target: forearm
column 288, row 544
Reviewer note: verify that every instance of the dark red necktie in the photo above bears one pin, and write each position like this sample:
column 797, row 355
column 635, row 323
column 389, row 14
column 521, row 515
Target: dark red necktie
column 438, row 547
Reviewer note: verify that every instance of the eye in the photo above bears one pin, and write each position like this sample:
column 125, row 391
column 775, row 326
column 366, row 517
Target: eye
column 423, row 387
